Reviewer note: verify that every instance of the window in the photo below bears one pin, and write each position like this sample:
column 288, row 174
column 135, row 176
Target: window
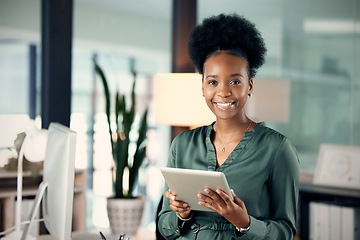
column 316, row 45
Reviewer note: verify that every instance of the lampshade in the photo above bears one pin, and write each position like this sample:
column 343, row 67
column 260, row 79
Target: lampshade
column 178, row 100
column 270, row 100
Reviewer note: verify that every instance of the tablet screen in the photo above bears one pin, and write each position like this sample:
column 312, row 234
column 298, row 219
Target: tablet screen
column 187, row 183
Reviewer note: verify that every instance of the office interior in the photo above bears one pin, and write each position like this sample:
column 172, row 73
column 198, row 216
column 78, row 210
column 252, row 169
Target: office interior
column 313, row 44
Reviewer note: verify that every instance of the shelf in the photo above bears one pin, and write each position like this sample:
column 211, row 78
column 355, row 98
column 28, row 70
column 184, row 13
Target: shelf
column 309, row 192
column 309, row 188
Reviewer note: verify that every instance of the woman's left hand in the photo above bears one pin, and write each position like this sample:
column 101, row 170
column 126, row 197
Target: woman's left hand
column 234, row 211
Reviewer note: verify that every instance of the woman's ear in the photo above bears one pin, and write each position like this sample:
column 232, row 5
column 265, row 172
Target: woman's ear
column 202, row 85
column 251, row 84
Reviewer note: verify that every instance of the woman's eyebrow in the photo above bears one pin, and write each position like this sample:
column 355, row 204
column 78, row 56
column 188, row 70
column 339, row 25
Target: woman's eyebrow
column 231, row 75
column 236, row 75
column 211, row 76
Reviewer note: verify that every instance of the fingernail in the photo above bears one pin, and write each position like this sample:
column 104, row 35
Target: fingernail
column 207, row 190
column 173, row 198
column 184, row 205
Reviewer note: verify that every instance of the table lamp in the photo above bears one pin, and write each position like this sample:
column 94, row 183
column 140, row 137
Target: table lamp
column 178, row 100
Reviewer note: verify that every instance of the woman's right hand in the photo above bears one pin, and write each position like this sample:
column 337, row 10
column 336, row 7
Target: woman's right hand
column 180, row 207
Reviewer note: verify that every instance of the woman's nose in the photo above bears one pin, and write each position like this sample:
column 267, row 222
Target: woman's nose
column 223, row 90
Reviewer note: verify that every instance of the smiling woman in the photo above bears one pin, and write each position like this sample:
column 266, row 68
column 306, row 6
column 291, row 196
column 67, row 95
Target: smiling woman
column 226, row 85
column 260, row 164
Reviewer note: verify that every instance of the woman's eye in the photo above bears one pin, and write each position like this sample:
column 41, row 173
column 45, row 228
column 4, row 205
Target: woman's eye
column 212, row 82
column 235, row 82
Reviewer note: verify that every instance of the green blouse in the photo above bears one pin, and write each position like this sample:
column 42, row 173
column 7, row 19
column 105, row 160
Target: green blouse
column 263, row 171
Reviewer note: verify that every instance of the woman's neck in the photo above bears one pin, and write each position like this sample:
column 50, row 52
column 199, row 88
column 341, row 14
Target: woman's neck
column 231, row 127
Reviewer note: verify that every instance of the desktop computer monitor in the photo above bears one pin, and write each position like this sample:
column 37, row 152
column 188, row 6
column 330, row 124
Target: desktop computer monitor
column 57, row 188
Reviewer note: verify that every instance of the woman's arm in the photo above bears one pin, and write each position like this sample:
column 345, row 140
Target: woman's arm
column 284, row 190
column 170, row 225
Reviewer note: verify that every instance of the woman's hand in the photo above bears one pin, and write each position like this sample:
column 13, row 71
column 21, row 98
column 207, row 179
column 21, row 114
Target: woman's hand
column 181, row 208
column 234, row 211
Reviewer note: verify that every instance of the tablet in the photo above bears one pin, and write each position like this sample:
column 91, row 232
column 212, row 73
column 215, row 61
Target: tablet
column 187, row 183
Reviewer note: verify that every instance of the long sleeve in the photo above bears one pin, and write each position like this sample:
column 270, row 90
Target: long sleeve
column 283, row 189
column 168, row 221
column 263, row 171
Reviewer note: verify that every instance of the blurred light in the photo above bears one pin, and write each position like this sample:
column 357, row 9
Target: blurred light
column 270, row 100
column 34, row 143
column 331, row 26
column 178, row 100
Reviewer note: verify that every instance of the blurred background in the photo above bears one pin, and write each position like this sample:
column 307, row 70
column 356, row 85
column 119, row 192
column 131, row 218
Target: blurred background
column 313, row 44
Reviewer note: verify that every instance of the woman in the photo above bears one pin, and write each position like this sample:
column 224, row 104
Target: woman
column 260, row 164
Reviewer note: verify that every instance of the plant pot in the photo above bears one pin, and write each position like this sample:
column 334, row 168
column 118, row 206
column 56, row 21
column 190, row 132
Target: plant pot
column 125, row 215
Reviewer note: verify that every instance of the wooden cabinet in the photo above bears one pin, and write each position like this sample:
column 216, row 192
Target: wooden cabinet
column 8, row 183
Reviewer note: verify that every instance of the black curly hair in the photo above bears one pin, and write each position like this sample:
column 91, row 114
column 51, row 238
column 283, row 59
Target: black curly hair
column 232, row 34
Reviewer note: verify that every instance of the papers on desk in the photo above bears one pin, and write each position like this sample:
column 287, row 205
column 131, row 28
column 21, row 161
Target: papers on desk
column 334, row 222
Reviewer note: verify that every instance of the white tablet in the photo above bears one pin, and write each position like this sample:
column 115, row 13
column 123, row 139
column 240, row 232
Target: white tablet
column 187, row 183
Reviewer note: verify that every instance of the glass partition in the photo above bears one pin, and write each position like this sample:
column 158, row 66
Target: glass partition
column 316, row 45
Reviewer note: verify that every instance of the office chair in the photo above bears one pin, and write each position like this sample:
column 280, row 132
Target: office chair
column 157, row 232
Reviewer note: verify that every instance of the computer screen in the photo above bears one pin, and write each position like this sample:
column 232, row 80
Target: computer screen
column 57, row 186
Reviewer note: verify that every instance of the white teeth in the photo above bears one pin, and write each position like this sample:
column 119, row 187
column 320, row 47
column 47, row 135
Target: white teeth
column 224, row 104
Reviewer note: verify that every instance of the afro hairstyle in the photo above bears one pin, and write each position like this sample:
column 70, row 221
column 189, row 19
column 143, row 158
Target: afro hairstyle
column 229, row 33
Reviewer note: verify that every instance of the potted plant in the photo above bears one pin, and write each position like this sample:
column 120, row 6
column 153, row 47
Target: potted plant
column 124, row 117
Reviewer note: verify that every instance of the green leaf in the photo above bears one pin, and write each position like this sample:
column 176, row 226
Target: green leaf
column 143, row 129
column 120, row 145
column 118, row 111
column 140, row 152
column 99, row 71
column 127, row 122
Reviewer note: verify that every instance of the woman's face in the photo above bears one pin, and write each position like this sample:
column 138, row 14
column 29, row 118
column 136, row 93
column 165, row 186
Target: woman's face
column 226, row 85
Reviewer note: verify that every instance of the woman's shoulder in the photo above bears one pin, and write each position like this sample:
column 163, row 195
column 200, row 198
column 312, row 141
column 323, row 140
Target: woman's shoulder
column 272, row 139
column 198, row 132
column 268, row 134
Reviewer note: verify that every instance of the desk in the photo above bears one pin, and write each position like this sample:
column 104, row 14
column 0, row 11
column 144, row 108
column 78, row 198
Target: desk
column 8, row 184
column 309, row 192
column 143, row 234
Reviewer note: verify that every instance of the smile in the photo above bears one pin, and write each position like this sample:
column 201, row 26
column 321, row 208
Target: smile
column 224, row 106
